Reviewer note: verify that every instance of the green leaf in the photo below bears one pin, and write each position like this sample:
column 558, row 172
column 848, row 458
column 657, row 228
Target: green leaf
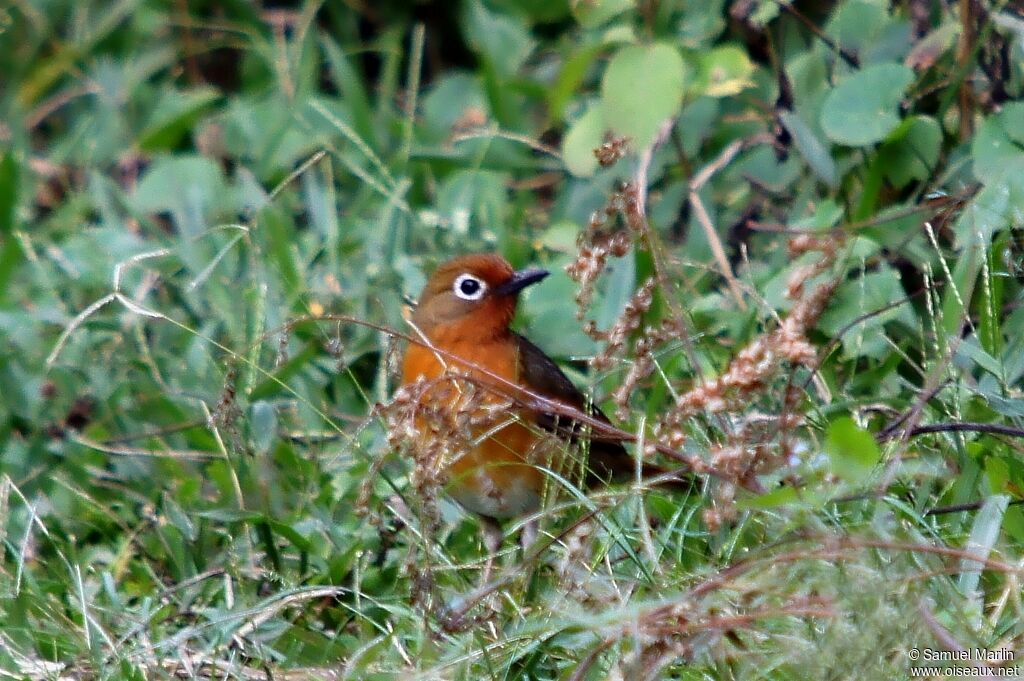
column 11, row 255
column 352, row 89
column 593, row 13
column 912, row 151
column 551, row 325
column 723, row 71
column 8, row 192
column 1012, row 119
column 984, row 534
column 863, row 108
column 970, row 352
column 1013, row 523
column 477, row 200
column 701, row 21
column 570, row 77
column 585, row 135
column 992, row 210
column 620, row 284
column 1012, row 407
column 852, row 452
column 811, row 148
column 178, row 518
column 505, row 41
column 698, row 118
column 262, row 426
column 285, row 372
column 173, row 183
column 264, row 130
column 619, row 34
column 998, row 148
column 538, row 11
column 229, row 515
column 292, row 535
column 877, row 293
column 867, row 29
column 998, row 473
column 959, row 292
column 452, row 99
column 827, row 215
column 780, row 496
column 175, row 114
column 641, row 89
column 560, row 236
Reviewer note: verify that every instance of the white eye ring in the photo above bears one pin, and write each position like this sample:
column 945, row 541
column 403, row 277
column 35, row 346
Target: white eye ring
column 468, row 287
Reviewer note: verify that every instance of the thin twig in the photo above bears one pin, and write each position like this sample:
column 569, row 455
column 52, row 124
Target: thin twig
column 701, row 213
column 960, row 427
column 638, row 217
column 849, row 57
column 697, row 183
column 890, row 430
column 492, row 133
column 967, row 506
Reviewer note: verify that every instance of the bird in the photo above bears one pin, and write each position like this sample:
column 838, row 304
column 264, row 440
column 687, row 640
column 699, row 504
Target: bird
column 470, row 363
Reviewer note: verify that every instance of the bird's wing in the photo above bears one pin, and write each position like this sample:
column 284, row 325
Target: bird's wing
column 608, row 458
column 540, row 372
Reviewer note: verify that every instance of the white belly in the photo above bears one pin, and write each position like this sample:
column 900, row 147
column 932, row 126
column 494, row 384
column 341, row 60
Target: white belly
column 515, row 499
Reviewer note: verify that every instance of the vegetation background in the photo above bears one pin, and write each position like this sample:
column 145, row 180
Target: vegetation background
column 796, row 259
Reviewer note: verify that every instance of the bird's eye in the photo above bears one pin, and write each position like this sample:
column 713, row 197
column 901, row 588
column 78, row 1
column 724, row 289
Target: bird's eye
column 469, row 287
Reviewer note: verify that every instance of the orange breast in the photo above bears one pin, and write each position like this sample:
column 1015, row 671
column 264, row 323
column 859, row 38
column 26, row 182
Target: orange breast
column 498, row 473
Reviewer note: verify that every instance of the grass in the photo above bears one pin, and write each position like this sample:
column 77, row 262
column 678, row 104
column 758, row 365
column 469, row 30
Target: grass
column 212, row 216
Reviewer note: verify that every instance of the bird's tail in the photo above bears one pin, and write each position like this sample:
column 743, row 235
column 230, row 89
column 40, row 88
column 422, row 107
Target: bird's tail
column 678, row 480
column 611, row 463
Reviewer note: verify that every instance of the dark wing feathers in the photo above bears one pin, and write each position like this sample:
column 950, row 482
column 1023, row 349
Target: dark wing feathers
column 540, row 372
column 609, row 459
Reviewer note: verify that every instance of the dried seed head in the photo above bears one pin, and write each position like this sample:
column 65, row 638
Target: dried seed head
column 613, row 149
column 594, row 245
column 628, row 322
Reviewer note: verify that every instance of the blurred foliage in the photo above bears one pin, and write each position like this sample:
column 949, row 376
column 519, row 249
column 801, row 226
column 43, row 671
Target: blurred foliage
column 190, row 459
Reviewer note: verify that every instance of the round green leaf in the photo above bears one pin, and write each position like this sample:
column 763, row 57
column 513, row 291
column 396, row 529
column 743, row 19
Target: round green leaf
column 596, row 12
column 998, row 148
column 561, row 237
column 912, row 150
column 585, row 135
column 852, row 452
column 863, row 108
column 642, row 87
column 724, row 71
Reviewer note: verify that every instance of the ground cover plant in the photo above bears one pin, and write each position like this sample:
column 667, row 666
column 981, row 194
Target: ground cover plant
column 787, row 255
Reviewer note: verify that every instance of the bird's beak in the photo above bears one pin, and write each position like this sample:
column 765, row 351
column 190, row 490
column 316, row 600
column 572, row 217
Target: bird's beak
column 521, row 280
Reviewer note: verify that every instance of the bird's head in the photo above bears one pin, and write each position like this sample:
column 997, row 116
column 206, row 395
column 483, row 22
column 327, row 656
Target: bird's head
column 472, row 296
